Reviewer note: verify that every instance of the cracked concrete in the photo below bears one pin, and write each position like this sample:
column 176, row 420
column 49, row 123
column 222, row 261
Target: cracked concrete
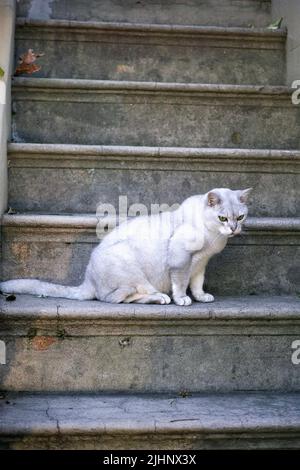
column 233, row 344
column 234, row 416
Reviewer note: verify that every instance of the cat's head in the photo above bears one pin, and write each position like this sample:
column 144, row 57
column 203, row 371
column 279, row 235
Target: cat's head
column 226, row 210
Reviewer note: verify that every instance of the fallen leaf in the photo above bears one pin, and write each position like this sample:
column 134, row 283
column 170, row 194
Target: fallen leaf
column 276, row 24
column 29, row 69
column 10, row 298
column 29, row 57
column 26, row 62
column 184, row 394
column 11, row 211
column 1, row 72
column 236, row 138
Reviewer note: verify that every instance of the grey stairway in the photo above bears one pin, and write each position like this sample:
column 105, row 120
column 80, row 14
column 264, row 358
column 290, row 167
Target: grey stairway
column 155, row 101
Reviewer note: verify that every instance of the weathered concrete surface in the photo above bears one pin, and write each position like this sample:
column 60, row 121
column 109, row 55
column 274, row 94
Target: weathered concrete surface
column 239, row 315
column 76, row 179
column 263, row 260
column 155, row 114
column 231, row 13
column 109, row 422
column 234, row 344
column 290, row 11
column 113, row 51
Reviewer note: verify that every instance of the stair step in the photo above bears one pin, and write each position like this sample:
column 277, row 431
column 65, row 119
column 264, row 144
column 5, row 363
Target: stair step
column 147, row 175
column 117, row 51
column 110, row 422
column 265, row 259
column 231, row 13
column 155, row 114
column 233, row 344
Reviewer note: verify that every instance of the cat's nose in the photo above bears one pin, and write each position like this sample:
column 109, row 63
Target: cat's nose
column 233, row 226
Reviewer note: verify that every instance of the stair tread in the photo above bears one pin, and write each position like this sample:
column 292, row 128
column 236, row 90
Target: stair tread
column 15, row 148
column 90, row 221
column 173, row 29
column 139, row 86
column 254, row 307
column 34, row 414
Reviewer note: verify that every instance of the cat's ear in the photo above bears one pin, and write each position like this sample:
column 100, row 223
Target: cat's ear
column 244, row 195
column 213, row 199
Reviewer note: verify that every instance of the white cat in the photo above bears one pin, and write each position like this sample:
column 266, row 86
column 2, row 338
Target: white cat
column 151, row 257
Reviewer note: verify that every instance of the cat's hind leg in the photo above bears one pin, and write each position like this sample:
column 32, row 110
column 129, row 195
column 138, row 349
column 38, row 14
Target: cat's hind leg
column 119, row 295
column 147, row 294
column 155, row 298
column 137, row 295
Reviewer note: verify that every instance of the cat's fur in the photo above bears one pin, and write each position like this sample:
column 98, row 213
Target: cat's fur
column 152, row 257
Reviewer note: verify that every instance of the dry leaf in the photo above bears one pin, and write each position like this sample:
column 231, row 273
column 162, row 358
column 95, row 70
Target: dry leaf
column 276, row 24
column 32, row 68
column 11, row 211
column 184, row 394
column 26, row 63
column 29, row 57
column 10, row 298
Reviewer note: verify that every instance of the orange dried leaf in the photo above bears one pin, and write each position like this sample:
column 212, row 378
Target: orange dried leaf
column 29, row 57
column 26, row 63
column 27, row 68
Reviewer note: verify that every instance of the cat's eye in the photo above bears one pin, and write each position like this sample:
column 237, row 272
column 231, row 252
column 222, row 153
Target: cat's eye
column 222, row 218
column 240, row 217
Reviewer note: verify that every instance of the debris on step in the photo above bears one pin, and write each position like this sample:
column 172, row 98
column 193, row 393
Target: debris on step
column 26, row 63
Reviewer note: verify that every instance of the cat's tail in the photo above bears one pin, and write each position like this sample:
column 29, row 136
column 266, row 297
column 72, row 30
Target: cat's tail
column 85, row 291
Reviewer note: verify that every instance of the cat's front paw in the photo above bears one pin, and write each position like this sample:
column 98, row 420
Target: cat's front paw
column 185, row 300
column 204, row 297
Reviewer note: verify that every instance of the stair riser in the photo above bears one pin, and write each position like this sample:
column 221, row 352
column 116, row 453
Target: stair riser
column 175, row 441
column 260, row 262
column 57, row 185
column 150, row 57
column 231, row 360
column 128, row 117
column 241, row 13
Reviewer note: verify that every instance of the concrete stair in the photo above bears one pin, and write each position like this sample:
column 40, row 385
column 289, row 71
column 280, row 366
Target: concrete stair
column 236, row 344
column 162, row 53
column 206, row 421
column 199, row 12
column 154, row 114
column 156, row 101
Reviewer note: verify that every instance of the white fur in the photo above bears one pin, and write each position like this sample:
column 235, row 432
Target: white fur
column 151, row 258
